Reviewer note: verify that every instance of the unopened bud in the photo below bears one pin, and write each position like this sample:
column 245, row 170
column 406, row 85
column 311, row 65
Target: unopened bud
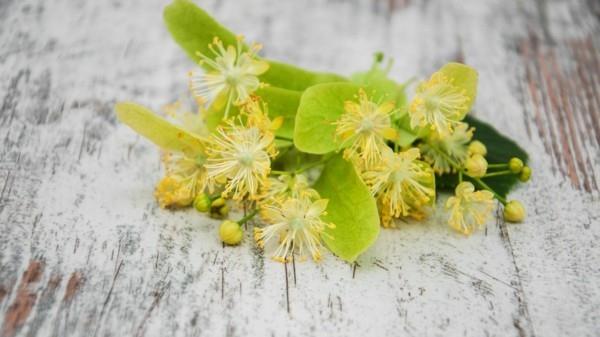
column 219, row 208
column 218, row 202
column 224, row 210
column 515, row 165
column 202, row 202
column 514, row 211
column 525, row 174
column 476, row 166
column 477, row 147
column 230, row 232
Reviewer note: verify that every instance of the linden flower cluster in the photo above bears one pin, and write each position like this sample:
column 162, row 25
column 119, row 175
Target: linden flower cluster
column 401, row 183
column 234, row 165
column 322, row 160
column 403, row 180
column 439, row 106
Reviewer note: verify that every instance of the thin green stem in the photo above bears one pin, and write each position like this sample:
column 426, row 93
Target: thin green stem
column 460, row 176
column 447, row 157
column 229, row 99
column 477, row 180
column 276, row 172
column 284, row 138
column 284, row 146
column 248, row 217
column 499, row 173
column 314, row 164
column 501, row 165
column 485, row 186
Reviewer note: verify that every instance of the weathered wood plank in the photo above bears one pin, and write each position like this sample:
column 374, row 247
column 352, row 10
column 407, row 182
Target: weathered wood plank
column 84, row 250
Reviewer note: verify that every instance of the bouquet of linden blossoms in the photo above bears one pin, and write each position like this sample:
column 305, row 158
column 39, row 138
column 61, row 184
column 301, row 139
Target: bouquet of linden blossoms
column 321, row 159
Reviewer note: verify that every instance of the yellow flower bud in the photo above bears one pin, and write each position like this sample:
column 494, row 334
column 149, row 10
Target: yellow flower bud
column 525, row 174
column 202, row 202
column 514, row 211
column 218, row 203
column 224, row 210
column 231, row 232
column 515, row 165
column 219, row 208
column 476, row 166
column 477, row 147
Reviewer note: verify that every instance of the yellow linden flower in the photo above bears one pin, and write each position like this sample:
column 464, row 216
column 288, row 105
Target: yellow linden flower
column 233, row 72
column 401, row 183
column 287, row 186
column 298, row 226
column 365, row 126
column 476, row 166
column 241, row 158
column 453, row 144
column 185, row 178
column 469, row 209
column 257, row 115
column 438, row 104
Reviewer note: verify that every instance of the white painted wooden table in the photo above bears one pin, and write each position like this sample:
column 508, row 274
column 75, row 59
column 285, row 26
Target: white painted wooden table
column 85, row 251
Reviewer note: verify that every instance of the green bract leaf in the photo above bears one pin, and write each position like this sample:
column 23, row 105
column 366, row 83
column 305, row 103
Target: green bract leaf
column 406, row 135
column 464, row 77
column 500, row 149
column 193, row 29
column 294, row 78
column 351, row 208
column 320, row 106
column 378, row 85
column 284, row 103
column 158, row 130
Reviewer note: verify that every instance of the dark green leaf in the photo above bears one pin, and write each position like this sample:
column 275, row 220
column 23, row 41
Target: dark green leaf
column 500, row 150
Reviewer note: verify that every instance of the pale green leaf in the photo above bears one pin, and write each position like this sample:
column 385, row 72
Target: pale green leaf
column 284, row 103
column 464, row 77
column 193, row 29
column 295, row 78
column 320, row 106
column 351, row 208
column 379, row 86
column 157, row 129
column 406, row 134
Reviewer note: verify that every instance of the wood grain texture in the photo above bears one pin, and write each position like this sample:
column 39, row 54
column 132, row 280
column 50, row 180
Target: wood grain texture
column 85, row 251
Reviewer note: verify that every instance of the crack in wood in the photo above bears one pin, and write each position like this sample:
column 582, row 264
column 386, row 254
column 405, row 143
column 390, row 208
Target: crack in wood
column 108, row 296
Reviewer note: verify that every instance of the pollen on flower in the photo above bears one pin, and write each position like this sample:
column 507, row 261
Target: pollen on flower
column 469, row 209
column 297, row 225
column 241, row 158
column 402, row 184
column 365, row 126
column 438, row 104
column 440, row 150
column 232, row 71
column 185, row 178
column 287, row 186
column 257, row 115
